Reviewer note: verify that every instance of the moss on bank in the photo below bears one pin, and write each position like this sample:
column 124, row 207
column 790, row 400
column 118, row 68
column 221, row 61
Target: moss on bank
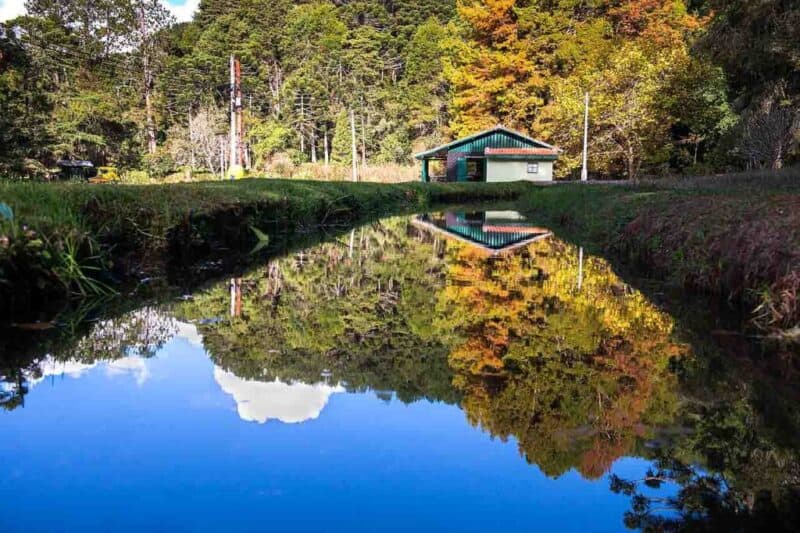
column 77, row 238
column 736, row 236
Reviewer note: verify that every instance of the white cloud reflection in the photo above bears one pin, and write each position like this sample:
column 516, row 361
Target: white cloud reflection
column 291, row 403
column 256, row 401
column 49, row 368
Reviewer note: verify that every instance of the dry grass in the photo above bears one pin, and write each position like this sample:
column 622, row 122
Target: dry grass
column 758, row 181
column 284, row 169
column 747, row 249
column 735, row 235
column 337, row 172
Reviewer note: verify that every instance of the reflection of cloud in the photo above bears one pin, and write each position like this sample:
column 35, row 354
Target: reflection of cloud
column 49, row 367
column 258, row 401
column 135, row 366
column 190, row 333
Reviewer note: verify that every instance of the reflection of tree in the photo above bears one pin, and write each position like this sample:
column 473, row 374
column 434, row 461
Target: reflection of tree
column 362, row 317
column 142, row 332
column 744, row 429
column 578, row 374
column 575, row 375
column 578, row 377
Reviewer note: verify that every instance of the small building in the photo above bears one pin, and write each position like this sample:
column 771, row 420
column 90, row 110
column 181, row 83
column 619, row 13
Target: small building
column 493, row 232
column 495, row 155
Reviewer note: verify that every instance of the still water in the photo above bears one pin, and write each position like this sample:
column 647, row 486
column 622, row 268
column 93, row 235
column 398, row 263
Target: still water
column 460, row 371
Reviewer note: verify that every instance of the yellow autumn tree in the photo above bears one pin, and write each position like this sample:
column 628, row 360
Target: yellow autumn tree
column 492, row 76
column 565, row 358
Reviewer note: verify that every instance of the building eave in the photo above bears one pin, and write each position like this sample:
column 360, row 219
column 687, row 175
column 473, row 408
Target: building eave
column 501, row 157
column 446, row 147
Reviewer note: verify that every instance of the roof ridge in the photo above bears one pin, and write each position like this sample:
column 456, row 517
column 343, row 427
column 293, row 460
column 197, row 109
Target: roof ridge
column 499, row 127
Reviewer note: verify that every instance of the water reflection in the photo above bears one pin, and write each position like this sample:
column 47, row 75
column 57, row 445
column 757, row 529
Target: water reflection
column 290, row 403
column 490, row 231
column 534, row 341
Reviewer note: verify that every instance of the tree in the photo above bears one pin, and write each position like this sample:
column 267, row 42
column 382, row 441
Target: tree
column 425, row 88
column 25, row 107
column 147, row 40
column 493, row 79
column 268, row 137
column 628, row 121
column 201, row 144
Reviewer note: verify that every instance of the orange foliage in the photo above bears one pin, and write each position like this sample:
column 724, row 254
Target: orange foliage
column 660, row 22
column 493, row 20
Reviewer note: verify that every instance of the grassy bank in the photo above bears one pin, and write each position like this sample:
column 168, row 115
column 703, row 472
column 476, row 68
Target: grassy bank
column 81, row 239
column 737, row 236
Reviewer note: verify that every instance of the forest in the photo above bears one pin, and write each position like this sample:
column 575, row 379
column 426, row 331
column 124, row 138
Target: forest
column 676, row 86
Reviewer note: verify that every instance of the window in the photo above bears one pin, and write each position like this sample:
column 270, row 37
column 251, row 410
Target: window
column 533, row 168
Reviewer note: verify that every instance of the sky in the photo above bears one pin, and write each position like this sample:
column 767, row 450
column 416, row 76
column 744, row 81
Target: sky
column 183, row 10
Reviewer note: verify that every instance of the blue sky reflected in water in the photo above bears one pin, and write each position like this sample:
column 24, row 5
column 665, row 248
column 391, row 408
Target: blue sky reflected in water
column 161, row 443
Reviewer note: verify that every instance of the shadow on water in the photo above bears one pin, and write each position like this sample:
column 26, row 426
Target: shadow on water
column 534, row 339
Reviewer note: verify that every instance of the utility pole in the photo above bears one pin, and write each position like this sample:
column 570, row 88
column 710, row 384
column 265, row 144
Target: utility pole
column 302, row 124
column 353, row 144
column 222, row 157
column 233, row 136
column 239, row 117
column 192, row 163
column 585, row 169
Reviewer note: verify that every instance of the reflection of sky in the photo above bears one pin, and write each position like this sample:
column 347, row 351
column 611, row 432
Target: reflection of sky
column 101, row 453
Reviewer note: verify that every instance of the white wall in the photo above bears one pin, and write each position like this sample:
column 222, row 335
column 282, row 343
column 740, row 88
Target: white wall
column 499, row 170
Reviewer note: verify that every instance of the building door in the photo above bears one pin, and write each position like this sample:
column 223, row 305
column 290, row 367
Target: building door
column 461, row 169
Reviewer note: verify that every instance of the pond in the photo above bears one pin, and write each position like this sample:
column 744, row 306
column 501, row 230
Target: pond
column 466, row 370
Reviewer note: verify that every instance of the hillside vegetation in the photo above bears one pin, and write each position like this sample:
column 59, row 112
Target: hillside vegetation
column 677, row 86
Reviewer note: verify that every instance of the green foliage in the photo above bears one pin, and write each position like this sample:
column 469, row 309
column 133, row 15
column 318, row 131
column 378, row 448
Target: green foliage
column 158, row 165
column 676, row 85
column 267, row 138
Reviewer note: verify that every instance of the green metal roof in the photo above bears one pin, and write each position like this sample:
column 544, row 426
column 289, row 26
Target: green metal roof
column 497, row 137
column 490, row 239
column 477, row 231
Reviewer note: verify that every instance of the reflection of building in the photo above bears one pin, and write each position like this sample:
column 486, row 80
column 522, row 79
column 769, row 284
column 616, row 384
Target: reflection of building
column 492, row 231
column 494, row 155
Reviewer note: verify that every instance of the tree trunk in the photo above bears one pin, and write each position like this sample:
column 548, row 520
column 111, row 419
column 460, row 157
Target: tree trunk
column 302, row 125
column 313, row 145
column 353, row 149
column 363, row 143
column 148, row 89
column 148, row 107
column 777, row 162
column 630, row 161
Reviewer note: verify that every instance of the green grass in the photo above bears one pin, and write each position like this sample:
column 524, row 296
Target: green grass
column 736, row 235
column 69, row 237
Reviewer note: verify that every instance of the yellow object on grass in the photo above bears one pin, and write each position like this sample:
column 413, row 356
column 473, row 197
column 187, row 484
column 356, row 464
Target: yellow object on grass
column 105, row 175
